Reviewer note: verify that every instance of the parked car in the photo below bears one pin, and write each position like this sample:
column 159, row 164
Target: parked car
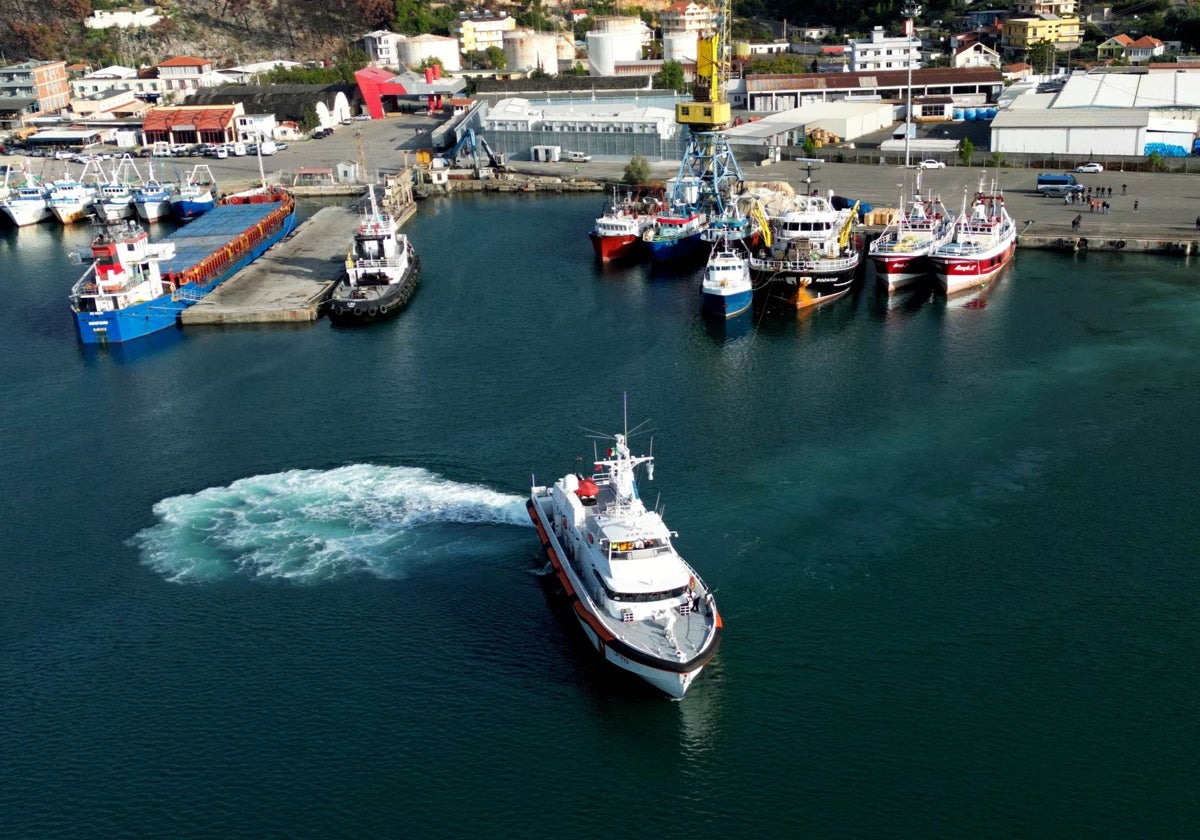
column 1090, row 168
column 930, row 163
column 362, row 117
column 280, row 146
column 577, row 157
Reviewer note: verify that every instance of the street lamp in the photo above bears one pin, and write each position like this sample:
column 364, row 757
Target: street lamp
column 910, row 12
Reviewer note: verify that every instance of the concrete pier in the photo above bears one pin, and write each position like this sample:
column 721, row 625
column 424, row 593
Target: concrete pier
column 289, row 281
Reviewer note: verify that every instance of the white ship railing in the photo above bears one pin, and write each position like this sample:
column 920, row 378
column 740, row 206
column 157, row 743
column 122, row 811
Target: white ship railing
column 817, row 264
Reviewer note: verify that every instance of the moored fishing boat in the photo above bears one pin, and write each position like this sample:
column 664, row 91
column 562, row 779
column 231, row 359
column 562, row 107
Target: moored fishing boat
column 133, row 288
column 196, row 195
column 813, row 257
column 71, row 199
column 901, row 254
column 152, row 200
column 618, row 233
column 29, row 203
column 741, row 222
column 114, row 198
column 983, row 243
column 676, row 236
column 382, row 270
column 638, row 602
column 727, row 289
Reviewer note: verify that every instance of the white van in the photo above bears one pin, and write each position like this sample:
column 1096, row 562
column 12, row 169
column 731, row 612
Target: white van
column 267, row 147
column 577, row 157
column 239, row 149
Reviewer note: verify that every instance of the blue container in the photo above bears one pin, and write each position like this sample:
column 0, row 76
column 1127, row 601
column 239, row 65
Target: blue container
column 958, row 113
column 991, row 113
column 969, row 114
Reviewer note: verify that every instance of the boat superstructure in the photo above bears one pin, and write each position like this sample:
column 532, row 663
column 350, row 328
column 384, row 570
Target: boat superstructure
column 114, row 197
column 71, row 199
column 196, row 195
column 152, row 200
column 642, row 607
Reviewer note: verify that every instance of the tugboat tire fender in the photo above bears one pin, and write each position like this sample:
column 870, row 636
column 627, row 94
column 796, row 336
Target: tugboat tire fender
column 372, row 311
column 1082, row 243
column 383, row 310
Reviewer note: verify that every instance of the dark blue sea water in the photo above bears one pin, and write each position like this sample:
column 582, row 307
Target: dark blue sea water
column 278, row 582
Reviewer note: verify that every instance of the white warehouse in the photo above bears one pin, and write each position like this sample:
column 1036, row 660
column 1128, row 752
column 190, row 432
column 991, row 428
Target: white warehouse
column 1089, row 132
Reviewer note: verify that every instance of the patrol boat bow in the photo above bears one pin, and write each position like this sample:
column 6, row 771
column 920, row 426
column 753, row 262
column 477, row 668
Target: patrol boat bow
column 639, row 603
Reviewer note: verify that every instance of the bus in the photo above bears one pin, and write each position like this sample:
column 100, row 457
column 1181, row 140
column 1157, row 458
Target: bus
column 1057, row 185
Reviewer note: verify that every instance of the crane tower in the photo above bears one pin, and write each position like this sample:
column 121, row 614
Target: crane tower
column 708, row 162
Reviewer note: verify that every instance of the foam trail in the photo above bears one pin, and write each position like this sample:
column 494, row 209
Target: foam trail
column 311, row 525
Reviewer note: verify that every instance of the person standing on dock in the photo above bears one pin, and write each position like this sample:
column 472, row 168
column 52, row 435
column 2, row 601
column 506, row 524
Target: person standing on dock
column 1123, row 189
column 1198, row 223
column 1135, row 205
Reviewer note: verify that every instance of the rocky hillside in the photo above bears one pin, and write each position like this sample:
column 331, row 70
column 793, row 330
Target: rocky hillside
column 226, row 31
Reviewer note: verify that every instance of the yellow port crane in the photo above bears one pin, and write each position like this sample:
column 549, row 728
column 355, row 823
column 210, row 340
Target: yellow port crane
column 709, row 110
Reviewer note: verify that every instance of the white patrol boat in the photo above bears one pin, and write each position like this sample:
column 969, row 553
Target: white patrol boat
column 642, row 607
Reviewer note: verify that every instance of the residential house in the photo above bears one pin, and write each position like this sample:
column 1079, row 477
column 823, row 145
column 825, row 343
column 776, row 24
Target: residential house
column 477, row 34
column 32, row 88
column 1019, row 34
column 685, row 17
column 183, row 74
column 1138, row 51
column 976, row 55
column 882, row 52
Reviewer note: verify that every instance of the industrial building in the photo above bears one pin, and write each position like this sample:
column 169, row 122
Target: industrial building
column 782, row 92
column 616, row 128
column 1121, row 111
column 844, row 120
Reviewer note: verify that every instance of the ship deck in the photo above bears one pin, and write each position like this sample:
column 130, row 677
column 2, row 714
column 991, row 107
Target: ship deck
column 211, row 232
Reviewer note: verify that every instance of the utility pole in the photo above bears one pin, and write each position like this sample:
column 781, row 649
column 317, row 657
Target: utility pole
column 910, row 12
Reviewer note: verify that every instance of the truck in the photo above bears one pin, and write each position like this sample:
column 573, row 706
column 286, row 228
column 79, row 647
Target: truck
column 577, row 157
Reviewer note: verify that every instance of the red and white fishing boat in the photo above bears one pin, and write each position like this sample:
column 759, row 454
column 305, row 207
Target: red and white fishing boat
column 901, row 253
column 618, row 233
column 983, row 243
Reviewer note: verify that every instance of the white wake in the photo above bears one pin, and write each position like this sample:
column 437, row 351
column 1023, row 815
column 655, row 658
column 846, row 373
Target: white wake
column 309, row 525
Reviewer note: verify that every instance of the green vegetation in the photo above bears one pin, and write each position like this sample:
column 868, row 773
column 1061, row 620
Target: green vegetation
column 1041, row 56
column 495, row 59
column 340, row 72
column 966, row 149
column 637, row 171
column 670, row 77
column 779, row 64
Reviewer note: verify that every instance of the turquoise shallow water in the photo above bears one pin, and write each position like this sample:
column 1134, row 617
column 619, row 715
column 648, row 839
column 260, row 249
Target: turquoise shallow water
column 278, row 582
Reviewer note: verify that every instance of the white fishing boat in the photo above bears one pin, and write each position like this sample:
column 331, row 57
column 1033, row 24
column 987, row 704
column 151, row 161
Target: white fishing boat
column 114, row 199
column 29, row 203
column 727, row 289
column 70, row 198
column 152, row 200
column 642, row 607
column 813, row 256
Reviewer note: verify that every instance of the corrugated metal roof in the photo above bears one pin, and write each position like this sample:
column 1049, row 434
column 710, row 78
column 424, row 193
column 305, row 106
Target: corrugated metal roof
column 1131, row 90
column 926, row 77
column 1072, row 118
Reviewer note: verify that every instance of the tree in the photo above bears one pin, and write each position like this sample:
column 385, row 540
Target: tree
column 965, row 149
column 810, row 146
column 637, row 171
column 429, row 61
column 670, row 77
column 495, row 59
column 1040, row 56
column 578, row 70
column 777, row 64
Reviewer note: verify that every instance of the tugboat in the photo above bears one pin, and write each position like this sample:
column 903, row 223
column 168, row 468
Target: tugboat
column 382, row 271
column 727, row 289
column 642, row 607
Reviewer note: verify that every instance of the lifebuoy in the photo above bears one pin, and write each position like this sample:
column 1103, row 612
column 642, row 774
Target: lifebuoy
column 1120, row 243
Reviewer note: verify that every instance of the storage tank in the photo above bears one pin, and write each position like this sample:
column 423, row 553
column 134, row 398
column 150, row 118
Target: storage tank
column 614, row 23
column 969, row 114
column 566, row 48
column 958, row 113
column 413, row 51
column 525, row 49
column 741, row 50
column 605, row 49
column 680, row 46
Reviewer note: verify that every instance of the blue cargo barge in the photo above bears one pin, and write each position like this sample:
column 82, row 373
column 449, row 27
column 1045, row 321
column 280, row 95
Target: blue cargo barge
column 134, row 288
